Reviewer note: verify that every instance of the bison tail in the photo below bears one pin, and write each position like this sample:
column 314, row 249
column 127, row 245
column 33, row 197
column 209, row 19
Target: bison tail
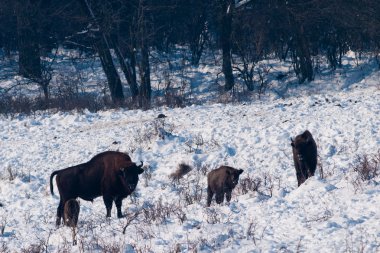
column 51, row 182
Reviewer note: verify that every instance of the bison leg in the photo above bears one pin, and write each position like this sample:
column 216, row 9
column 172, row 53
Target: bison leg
column 311, row 170
column 75, row 221
column 59, row 212
column 108, row 203
column 300, row 178
column 219, row 197
column 209, row 196
column 300, row 174
column 118, row 203
column 228, row 196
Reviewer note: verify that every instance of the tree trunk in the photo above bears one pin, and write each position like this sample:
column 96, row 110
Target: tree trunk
column 129, row 69
column 28, row 47
column 145, row 86
column 113, row 78
column 102, row 47
column 198, row 38
column 144, row 66
column 303, row 52
column 225, row 40
column 302, row 62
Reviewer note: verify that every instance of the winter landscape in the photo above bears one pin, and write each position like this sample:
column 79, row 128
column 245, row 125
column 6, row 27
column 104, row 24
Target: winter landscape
column 334, row 211
column 186, row 87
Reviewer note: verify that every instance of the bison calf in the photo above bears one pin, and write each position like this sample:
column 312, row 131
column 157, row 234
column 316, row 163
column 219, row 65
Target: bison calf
column 221, row 181
column 304, row 156
column 109, row 174
column 71, row 213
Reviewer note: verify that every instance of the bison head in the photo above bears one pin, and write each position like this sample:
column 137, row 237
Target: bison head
column 233, row 177
column 131, row 174
column 300, row 144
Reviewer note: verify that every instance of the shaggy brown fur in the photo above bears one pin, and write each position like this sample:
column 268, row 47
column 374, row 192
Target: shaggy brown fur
column 182, row 170
column 71, row 213
column 304, row 156
column 109, row 174
column 221, row 182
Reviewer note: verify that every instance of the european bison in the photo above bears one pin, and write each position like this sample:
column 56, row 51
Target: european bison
column 304, row 156
column 71, row 213
column 109, row 174
column 222, row 181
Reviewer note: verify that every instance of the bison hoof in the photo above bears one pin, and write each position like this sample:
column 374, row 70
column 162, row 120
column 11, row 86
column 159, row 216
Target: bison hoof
column 120, row 216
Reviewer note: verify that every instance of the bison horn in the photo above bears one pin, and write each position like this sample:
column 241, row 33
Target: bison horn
column 140, row 166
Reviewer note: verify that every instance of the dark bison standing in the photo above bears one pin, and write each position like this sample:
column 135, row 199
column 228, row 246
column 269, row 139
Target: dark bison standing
column 109, row 174
column 304, row 156
column 71, row 213
column 222, row 181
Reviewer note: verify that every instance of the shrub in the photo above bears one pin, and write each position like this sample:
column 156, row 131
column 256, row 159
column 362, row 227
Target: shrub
column 191, row 191
column 19, row 104
column 159, row 212
column 366, row 166
column 249, row 183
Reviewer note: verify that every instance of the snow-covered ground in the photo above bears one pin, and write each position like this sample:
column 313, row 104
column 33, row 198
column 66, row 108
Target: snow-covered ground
column 329, row 214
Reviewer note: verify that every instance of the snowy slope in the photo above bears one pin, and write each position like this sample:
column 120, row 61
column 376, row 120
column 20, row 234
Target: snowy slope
column 323, row 215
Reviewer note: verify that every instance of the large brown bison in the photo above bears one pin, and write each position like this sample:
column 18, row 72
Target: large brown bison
column 71, row 213
column 109, row 174
column 221, row 181
column 304, row 156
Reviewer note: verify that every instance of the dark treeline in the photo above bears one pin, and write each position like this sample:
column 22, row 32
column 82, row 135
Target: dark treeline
column 295, row 30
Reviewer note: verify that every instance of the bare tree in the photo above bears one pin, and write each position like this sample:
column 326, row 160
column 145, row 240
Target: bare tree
column 27, row 37
column 102, row 47
column 226, row 9
column 197, row 28
column 143, row 34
